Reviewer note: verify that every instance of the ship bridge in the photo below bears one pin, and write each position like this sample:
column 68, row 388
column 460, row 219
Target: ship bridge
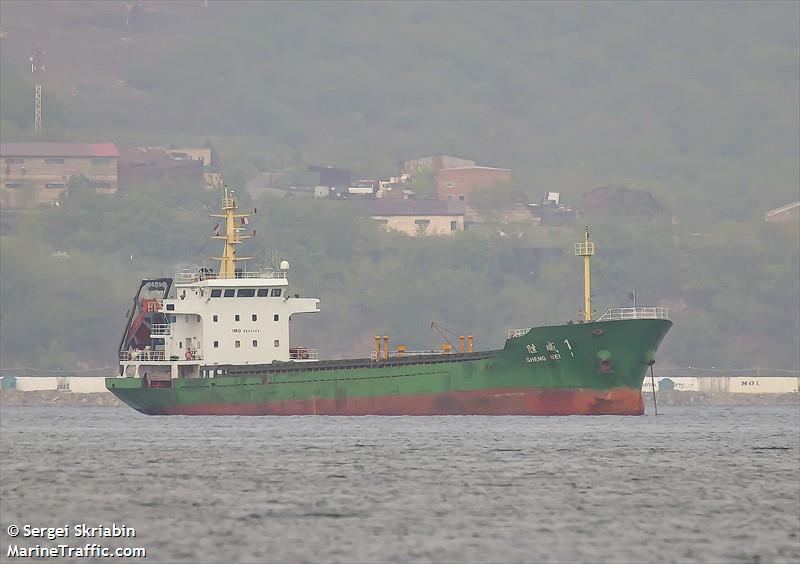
column 186, row 325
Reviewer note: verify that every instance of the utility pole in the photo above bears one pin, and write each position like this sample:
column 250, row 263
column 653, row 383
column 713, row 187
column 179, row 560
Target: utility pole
column 37, row 69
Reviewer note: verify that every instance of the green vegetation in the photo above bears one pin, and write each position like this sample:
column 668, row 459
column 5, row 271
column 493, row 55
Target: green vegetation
column 696, row 102
column 68, row 277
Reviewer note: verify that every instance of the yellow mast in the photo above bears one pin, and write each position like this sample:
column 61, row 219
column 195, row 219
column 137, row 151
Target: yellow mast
column 232, row 237
column 586, row 250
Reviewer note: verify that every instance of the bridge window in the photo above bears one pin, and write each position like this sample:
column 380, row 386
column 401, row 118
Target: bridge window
column 230, row 292
column 237, row 344
column 276, row 317
column 170, row 307
column 263, row 292
column 216, row 292
column 54, row 161
column 246, row 293
column 276, row 292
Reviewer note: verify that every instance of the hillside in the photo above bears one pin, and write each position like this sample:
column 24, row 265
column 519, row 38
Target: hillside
column 697, row 101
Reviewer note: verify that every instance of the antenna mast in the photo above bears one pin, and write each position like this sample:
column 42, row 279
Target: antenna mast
column 233, row 234
column 37, row 69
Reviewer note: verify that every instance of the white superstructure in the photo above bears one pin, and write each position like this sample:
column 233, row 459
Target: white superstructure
column 187, row 325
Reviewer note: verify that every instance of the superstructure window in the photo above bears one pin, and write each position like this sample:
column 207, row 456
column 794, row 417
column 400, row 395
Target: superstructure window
column 170, row 307
column 54, row 161
column 246, row 293
column 216, row 292
column 237, row 344
column 254, row 317
column 54, row 185
column 13, row 184
column 277, row 343
column 230, row 292
column 276, row 317
column 255, row 344
column 276, row 292
column 215, row 318
column 263, row 292
column 15, row 161
column 101, row 161
column 236, row 317
column 216, row 344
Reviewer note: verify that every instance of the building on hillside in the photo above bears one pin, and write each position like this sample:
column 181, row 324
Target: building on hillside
column 202, row 154
column 332, row 177
column 552, row 211
column 37, row 174
column 458, row 183
column 140, row 166
column 416, row 217
column 433, row 162
column 790, row 213
column 621, row 199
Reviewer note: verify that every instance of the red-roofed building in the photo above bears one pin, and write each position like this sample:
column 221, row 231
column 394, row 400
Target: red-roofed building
column 36, row 174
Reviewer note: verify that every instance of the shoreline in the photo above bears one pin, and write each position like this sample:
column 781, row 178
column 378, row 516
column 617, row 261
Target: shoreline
column 55, row 398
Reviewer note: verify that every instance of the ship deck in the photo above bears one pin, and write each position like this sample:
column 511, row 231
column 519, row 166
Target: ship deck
column 348, row 364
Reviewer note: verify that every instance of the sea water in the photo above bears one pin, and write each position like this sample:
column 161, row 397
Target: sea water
column 695, row 484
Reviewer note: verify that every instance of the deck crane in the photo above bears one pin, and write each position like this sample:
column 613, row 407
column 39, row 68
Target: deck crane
column 441, row 330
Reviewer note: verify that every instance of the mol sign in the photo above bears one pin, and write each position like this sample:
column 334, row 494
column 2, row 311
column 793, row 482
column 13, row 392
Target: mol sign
column 730, row 384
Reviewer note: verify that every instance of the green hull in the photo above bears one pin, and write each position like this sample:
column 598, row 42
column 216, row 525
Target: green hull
column 584, row 368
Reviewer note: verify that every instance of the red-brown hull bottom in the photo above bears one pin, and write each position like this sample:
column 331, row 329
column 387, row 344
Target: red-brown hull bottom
column 511, row 401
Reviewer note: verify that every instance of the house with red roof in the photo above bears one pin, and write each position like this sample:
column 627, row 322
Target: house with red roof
column 37, row 174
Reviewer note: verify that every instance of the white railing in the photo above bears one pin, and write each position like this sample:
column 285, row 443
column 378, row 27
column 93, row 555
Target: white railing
column 616, row 313
column 137, row 355
column 302, row 353
column 514, row 333
column 394, row 354
column 142, row 355
column 160, row 329
column 183, row 276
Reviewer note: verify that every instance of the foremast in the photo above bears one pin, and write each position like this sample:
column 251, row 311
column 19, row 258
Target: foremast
column 585, row 249
column 234, row 229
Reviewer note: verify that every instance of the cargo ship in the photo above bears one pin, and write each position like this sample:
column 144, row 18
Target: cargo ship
column 216, row 342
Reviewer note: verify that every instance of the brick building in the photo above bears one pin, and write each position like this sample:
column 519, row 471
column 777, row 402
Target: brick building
column 433, row 162
column 36, row 174
column 457, row 183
